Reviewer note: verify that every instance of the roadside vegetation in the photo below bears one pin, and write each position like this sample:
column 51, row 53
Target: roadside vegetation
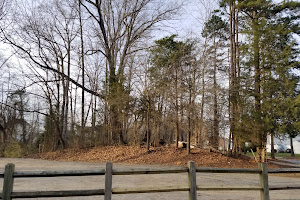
column 94, row 73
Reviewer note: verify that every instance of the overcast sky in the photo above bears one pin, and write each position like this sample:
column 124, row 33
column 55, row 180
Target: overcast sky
column 190, row 21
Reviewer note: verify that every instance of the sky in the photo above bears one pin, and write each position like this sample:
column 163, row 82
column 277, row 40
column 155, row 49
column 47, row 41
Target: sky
column 188, row 22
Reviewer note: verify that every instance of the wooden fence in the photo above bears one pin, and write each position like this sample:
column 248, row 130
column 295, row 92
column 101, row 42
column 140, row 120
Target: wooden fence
column 191, row 187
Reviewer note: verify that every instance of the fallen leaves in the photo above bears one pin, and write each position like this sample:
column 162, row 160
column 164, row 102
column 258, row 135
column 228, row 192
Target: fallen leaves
column 158, row 156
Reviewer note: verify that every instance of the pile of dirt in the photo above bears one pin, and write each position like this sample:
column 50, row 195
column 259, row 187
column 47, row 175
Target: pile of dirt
column 157, row 156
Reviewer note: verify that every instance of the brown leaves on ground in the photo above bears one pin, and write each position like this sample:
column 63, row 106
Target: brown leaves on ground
column 157, row 156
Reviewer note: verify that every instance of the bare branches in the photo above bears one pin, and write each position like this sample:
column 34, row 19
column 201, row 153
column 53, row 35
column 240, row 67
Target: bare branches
column 21, row 110
column 5, row 61
column 46, row 66
column 3, row 4
column 123, row 23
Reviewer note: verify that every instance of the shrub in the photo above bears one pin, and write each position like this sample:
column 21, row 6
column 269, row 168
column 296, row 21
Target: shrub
column 13, row 149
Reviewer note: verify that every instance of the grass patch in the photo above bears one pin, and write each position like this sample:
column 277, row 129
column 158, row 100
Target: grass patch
column 283, row 155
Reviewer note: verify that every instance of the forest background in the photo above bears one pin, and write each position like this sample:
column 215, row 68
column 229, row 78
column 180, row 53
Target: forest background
column 90, row 73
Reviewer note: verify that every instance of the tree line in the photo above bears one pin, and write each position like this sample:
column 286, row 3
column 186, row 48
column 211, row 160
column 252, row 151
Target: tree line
column 88, row 72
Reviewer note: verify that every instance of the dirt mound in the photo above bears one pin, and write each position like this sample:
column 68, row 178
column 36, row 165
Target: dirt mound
column 157, row 156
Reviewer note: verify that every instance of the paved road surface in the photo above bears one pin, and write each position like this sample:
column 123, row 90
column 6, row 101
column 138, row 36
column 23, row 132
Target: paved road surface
column 73, row 183
column 293, row 161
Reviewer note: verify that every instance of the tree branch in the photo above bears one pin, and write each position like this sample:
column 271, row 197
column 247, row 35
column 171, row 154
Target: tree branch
column 47, row 67
column 28, row 111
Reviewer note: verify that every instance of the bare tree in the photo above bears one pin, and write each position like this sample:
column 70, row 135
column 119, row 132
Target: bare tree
column 120, row 26
column 43, row 25
column 82, row 53
column 45, row 38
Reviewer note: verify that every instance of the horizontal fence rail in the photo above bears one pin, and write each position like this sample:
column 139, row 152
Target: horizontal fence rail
column 191, row 187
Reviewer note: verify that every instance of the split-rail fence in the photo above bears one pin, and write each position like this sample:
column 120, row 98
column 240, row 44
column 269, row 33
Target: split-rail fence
column 191, row 187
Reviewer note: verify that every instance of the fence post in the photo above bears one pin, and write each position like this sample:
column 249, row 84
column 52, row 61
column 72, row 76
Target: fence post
column 108, row 181
column 8, row 182
column 264, row 182
column 192, row 181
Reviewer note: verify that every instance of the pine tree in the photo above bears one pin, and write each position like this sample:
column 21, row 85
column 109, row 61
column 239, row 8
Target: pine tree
column 216, row 30
column 269, row 60
column 171, row 61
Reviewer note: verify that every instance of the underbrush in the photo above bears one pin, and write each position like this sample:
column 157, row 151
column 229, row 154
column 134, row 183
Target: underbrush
column 14, row 149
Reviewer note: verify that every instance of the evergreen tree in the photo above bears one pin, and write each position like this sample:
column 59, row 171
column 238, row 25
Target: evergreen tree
column 216, row 30
column 269, row 59
column 279, row 59
column 170, row 74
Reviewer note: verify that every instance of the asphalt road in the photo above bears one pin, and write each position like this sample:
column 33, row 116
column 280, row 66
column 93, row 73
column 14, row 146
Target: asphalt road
column 293, row 161
column 96, row 182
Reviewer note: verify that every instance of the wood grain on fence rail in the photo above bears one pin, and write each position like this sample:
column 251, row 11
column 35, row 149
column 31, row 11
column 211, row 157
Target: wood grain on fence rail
column 284, row 171
column 150, row 171
column 227, row 187
column 227, row 170
column 68, row 193
column 284, row 188
column 25, row 174
column 150, row 189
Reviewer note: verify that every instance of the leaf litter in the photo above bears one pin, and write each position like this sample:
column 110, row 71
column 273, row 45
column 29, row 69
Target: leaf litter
column 164, row 155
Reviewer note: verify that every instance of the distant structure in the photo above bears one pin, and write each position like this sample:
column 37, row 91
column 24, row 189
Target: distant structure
column 282, row 143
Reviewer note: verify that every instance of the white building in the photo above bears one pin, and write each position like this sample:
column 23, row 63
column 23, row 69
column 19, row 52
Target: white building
column 282, row 143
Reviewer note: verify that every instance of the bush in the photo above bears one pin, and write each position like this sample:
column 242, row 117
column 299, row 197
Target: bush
column 13, row 149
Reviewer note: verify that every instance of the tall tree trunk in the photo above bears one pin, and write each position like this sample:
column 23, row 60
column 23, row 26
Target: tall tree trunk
column 135, row 130
column 115, row 93
column 188, row 147
column 73, row 103
column 292, row 147
column 82, row 76
column 272, row 146
column 62, row 115
column 108, row 132
column 257, row 90
column 93, row 141
column 24, row 131
column 201, row 138
column 232, row 85
column 237, row 50
column 215, row 106
column 66, row 115
column 238, row 109
column 201, row 129
column 148, row 126
column 176, row 108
